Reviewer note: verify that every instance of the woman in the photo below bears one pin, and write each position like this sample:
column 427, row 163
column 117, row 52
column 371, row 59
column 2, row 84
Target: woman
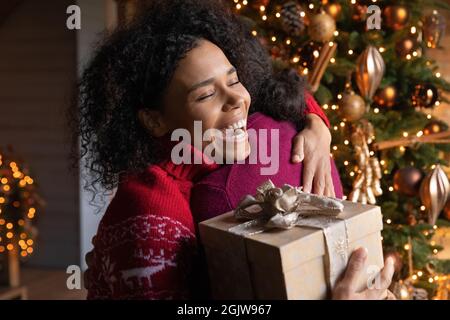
column 184, row 61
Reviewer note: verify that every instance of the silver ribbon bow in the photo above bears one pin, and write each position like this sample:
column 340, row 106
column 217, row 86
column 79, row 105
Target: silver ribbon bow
column 287, row 207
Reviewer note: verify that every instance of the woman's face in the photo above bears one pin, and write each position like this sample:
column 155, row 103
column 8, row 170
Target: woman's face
column 205, row 87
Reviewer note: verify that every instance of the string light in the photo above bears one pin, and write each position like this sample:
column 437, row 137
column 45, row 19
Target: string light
column 339, row 96
column 264, row 17
column 274, row 38
column 332, row 60
column 277, row 15
column 382, row 162
column 438, row 74
column 388, row 221
column 422, row 208
column 381, row 49
column 408, row 57
column 376, row 110
column 413, row 29
column 238, row 6
column 262, row 8
column 350, row 52
column 311, row 6
column 391, row 188
column 325, row 106
column 405, row 134
column 420, row 273
column 254, row 33
column 406, row 247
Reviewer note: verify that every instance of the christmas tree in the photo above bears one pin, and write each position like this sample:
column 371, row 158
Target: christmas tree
column 19, row 203
column 366, row 62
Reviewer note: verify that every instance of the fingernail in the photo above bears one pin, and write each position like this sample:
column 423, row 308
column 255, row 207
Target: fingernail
column 364, row 250
column 390, row 261
column 296, row 158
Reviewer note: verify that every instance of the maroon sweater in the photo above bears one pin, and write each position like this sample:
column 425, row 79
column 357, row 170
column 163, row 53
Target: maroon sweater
column 222, row 189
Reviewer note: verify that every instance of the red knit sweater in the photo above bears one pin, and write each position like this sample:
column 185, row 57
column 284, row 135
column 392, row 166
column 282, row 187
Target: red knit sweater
column 146, row 241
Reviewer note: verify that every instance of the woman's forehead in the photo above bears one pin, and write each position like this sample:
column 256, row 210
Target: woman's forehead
column 204, row 61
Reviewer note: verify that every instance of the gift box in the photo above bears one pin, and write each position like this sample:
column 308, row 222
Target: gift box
column 301, row 260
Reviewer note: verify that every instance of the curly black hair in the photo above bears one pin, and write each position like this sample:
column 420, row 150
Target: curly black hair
column 132, row 67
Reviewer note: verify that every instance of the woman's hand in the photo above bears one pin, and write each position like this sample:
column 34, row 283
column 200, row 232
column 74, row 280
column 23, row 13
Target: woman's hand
column 312, row 146
column 345, row 288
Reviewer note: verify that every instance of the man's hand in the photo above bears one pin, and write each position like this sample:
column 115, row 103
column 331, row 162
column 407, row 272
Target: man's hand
column 345, row 288
column 312, row 146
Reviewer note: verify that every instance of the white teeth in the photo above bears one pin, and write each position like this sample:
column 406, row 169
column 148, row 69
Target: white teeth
column 239, row 132
column 239, row 124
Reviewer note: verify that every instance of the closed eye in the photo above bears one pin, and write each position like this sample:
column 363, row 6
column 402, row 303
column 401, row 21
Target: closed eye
column 205, row 97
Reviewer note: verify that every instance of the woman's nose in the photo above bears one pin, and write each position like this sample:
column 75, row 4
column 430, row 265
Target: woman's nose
column 233, row 102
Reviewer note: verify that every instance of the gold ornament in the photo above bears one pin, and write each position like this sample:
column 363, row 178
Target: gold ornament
column 386, row 97
column 352, row 106
column 322, row 27
column 396, row 17
column 434, row 193
column 369, row 71
column 366, row 185
column 424, row 96
column 433, row 29
column 407, row 181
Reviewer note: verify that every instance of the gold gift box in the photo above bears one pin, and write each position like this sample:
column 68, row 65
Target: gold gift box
column 284, row 264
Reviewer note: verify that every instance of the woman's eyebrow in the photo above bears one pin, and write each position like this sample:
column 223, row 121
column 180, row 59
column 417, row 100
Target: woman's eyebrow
column 209, row 81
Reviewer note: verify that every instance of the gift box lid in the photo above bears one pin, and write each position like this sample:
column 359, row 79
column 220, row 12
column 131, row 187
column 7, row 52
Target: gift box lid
column 294, row 246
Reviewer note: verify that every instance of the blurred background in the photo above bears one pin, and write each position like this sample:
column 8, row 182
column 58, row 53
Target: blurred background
column 46, row 218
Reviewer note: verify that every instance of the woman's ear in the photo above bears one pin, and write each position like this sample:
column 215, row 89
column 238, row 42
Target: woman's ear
column 153, row 121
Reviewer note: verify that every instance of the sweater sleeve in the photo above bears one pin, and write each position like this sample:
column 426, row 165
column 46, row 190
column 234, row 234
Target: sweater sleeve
column 313, row 107
column 144, row 257
column 145, row 246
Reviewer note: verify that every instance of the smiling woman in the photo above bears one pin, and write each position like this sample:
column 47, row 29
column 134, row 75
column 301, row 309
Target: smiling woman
column 205, row 87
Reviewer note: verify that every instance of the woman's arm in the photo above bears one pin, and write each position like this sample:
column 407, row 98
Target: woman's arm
column 312, row 146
